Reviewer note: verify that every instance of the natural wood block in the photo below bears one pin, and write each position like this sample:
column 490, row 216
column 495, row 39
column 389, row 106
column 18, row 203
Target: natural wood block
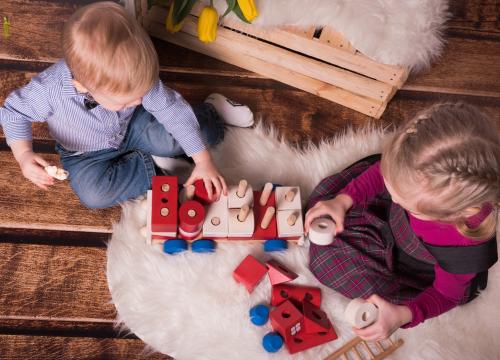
column 283, row 201
column 216, row 222
column 238, row 228
column 285, row 229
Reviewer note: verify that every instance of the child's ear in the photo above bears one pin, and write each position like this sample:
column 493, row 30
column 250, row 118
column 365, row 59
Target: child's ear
column 79, row 87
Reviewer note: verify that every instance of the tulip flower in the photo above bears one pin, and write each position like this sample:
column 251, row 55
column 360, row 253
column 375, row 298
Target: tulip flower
column 248, row 9
column 171, row 27
column 207, row 24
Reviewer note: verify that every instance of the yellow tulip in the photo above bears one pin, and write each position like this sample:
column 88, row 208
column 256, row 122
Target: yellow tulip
column 170, row 21
column 207, row 24
column 248, row 9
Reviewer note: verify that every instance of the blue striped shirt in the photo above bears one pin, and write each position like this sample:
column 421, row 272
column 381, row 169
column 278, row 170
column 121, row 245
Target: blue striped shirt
column 51, row 96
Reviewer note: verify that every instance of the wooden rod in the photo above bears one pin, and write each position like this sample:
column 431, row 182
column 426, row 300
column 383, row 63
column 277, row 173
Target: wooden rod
column 243, row 214
column 242, row 188
column 268, row 216
column 264, row 197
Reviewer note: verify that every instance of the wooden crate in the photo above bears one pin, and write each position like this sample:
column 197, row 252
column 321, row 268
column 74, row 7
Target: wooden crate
column 319, row 61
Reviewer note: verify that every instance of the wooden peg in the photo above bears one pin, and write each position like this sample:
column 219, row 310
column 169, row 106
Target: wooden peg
column 292, row 219
column 164, row 211
column 268, row 216
column 290, row 195
column 242, row 215
column 215, row 221
column 266, row 192
column 191, row 213
column 242, row 188
column 190, row 192
column 165, row 187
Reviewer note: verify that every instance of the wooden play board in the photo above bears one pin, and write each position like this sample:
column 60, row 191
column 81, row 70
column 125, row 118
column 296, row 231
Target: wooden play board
column 316, row 60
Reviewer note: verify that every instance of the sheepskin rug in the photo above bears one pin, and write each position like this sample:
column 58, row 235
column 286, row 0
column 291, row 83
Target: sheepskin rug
column 189, row 307
column 398, row 32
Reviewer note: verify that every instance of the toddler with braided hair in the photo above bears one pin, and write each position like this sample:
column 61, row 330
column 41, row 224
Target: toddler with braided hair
column 415, row 226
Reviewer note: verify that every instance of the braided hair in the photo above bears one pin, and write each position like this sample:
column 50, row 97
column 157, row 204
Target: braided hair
column 447, row 161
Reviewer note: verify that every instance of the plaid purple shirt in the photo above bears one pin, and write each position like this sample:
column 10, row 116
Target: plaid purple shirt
column 50, row 96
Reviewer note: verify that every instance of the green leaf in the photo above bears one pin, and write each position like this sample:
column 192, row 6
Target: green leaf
column 182, row 8
column 230, row 7
column 239, row 13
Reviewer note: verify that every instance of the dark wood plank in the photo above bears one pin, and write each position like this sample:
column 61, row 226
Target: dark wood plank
column 14, row 347
column 54, row 283
column 475, row 15
column 298, row 115
column 23, row 205
column 467, row 66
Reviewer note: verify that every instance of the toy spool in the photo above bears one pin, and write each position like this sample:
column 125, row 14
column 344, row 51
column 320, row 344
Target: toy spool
column 191, row 216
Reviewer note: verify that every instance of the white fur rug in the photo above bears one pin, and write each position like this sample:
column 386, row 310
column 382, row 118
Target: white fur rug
column 188, row 306
column 399, row 32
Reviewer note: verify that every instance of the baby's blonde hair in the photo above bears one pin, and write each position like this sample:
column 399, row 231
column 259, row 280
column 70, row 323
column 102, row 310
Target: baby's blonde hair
column 107, row 50
column 446, row 160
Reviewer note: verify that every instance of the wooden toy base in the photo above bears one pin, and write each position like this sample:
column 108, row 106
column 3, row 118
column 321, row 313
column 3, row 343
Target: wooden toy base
column 319, row 61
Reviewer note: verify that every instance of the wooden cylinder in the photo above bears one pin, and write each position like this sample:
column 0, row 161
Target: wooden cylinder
column 242, row 188
column 290, row 195
column 266, row 192
column 190, row 192
column 165, row 187
column 243, row 214
column 191, row 213
column 292, row 219
column 164, row 211
column 268, row 216
column 215, row 221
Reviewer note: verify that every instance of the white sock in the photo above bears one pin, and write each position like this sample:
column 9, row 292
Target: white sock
column 230, row 111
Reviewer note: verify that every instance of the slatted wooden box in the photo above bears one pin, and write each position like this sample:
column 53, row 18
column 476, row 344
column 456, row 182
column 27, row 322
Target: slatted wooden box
column 319, row 61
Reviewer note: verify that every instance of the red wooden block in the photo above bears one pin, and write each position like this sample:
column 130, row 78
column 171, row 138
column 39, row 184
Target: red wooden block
column 164, row 205
column 201, row 194
column 303, row 341
column 250, row 272
column 191, row 216
column 315, row 319
column 278, row 273
column 271, row 232
column 287, row 320
column 283, row 292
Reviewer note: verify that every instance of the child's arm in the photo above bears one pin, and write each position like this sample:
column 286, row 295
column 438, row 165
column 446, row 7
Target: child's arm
column 358, row 191
column 32, row 165
column 22, row 107
column 205, row 169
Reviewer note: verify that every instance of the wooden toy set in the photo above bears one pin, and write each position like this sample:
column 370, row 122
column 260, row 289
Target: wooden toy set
column 317, row 60
column 244, row 214
column 296, row 318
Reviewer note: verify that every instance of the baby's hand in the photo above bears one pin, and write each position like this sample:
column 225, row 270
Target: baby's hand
column 32, row 167
column 390, row 318
column 207, row 171
column 336, row 208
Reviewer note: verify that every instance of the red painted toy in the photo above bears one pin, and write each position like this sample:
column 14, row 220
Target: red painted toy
column 250, row 272
column 315, row 319
column 278, row 273
column 287, row 320
column 164, row 206
column 283, row 292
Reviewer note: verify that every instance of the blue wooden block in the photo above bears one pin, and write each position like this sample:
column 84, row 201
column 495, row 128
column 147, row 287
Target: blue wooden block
column 203, row 246
column 259, row 314
column 275, row 245
column 175, row 246
column 272, row 342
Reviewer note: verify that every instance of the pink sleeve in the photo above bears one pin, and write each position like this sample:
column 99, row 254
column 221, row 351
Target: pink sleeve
column 433, row 302
column 366, row 185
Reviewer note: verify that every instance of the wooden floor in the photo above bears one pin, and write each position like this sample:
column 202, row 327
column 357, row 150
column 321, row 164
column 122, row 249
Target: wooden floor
column 54, row 299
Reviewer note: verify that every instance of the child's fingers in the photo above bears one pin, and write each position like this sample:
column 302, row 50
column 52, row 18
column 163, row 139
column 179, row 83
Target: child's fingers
column 218, row 187
column 208, row 187
column 224, row 185
column 190, row 180
column 369, row 333
column 40, row 160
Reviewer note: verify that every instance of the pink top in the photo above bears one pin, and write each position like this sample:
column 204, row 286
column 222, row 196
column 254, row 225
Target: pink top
column 447, row 289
